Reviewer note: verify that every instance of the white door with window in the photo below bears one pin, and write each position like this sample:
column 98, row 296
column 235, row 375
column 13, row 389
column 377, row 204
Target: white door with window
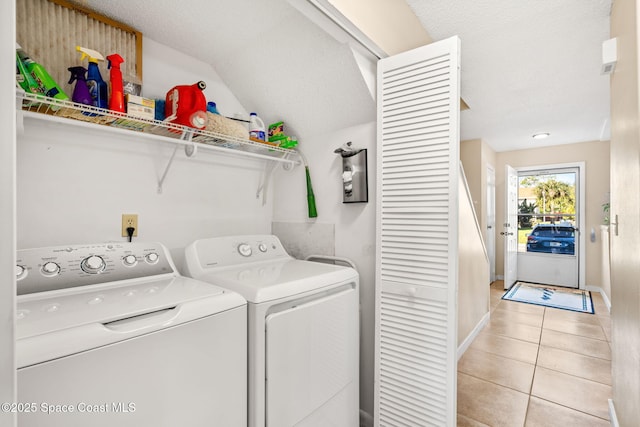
column 549, row 224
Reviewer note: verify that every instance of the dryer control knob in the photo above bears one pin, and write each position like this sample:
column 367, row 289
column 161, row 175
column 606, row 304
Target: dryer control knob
column 244, row 249
column 151, row 258
column 21, row 272
column 93, row 264
column 262, row 247
column 130, row 260
column 50, row 269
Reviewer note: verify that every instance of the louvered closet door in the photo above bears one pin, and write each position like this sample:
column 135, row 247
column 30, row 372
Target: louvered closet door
column 417, row 236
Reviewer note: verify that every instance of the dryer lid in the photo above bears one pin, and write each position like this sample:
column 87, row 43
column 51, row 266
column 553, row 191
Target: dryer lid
column 272, row 280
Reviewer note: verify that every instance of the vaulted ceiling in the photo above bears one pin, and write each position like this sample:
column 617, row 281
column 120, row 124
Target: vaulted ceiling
column 527, row 67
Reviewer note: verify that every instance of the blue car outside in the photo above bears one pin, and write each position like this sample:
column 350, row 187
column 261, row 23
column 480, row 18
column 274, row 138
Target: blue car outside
column 552, row 239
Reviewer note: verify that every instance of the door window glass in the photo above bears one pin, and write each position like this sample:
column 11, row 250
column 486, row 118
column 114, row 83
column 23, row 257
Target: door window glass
column 547, row 212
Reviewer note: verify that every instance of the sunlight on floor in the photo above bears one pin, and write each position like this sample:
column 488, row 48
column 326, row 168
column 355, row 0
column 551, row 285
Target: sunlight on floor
column 537, row 366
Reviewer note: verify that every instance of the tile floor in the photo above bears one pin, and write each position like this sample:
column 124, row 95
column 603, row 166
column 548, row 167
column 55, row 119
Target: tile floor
column 537, row 366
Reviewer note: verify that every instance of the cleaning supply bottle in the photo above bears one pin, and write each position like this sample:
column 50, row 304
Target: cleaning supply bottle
column 81, row 93
column 46, row 85
column 24, row 78
column 116, row 95
column 211, row 108
column 186, row 105
column 257, row 130
column 97, row 86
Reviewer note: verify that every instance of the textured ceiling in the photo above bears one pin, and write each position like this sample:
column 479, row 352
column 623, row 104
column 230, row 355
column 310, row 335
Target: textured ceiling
column 273, row 58
column 527, row 67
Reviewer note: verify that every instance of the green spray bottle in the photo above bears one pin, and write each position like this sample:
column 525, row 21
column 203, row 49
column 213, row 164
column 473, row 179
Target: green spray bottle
column 46, row 85
column 24, row 78
column 97, row 86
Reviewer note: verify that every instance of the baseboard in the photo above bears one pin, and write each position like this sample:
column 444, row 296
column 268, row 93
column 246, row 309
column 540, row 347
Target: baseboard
column 612, row 414
column 474, row 333
column 499, row 277
column 605, row 298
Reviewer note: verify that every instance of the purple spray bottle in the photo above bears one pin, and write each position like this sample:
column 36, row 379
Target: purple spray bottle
column 81, row 93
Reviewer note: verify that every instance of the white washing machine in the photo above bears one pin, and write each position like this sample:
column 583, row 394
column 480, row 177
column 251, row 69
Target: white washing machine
column 303, row 329
column 110, row 335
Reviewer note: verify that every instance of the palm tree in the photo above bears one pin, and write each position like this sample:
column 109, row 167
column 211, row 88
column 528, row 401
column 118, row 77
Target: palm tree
column 555, row 197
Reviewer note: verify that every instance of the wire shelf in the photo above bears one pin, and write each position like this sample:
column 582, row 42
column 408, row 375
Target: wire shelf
column 52, row 108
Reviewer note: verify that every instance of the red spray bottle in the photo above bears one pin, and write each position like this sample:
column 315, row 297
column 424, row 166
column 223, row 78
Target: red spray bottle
column 187, row 105
column 116, row 98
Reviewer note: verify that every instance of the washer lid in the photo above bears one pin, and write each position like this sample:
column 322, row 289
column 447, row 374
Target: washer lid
column 47, row 312
column 272, row 280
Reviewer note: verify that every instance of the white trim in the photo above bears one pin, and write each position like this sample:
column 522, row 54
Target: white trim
column 473, row 334
column 612, row 414
column 582, row 210
column 499, row 277
column 332, row 13
column 8, row 390
column 604, row 296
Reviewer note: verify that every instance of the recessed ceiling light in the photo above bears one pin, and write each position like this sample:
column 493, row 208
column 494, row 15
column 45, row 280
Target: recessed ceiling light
column 542, row 135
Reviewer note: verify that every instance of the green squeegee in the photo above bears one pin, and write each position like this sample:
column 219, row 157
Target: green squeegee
column 311, row 199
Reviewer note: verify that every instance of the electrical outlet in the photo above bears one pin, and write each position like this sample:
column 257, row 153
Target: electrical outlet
column 129, row 220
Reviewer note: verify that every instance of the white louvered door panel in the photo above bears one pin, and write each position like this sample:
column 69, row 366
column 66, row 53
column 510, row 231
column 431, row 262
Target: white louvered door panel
column 417, row 236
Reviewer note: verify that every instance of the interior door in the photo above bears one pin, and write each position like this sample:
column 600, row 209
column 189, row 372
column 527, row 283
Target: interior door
column 510, row 228
column 417, row 236
column 491, row 221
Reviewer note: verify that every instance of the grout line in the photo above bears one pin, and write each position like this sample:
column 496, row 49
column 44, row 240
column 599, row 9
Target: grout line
column 494, row 383
column 579, row 336
column 569, row 407
column 572, row 375
column 575, row 352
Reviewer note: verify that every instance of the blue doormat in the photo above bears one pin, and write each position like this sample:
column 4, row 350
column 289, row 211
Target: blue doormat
column 549, row 296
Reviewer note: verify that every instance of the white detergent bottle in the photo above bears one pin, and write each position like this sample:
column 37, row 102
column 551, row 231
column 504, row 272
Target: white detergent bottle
column 257, row 129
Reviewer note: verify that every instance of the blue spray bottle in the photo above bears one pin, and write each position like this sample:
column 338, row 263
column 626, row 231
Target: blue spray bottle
column 97, row 87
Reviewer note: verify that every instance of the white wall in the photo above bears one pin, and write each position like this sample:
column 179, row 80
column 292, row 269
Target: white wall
column 473, row 270
column 7, row 208
column 73, row 184
column 354, row 223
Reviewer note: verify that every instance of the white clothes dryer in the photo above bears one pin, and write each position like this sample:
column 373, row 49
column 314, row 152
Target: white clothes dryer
column 111, row 335
column 303, row 329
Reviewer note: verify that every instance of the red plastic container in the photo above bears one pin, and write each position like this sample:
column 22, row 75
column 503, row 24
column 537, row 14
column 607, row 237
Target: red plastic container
column 186, row 105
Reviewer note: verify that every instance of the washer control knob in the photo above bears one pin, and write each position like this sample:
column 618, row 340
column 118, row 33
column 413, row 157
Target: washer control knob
column 244, row 249
column 50, row 269
column 151, row 258
column 262, row 247
column 93, row 264
column 21, row 272
column 130, row 260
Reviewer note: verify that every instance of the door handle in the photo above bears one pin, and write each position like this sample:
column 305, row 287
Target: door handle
column 502, row 233
column 614, row 225
column 489, row 227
